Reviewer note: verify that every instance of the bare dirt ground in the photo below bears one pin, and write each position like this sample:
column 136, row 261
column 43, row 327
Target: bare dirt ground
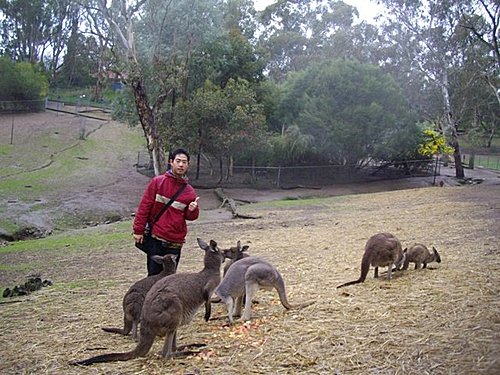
column 442, row 320
column 104, row 185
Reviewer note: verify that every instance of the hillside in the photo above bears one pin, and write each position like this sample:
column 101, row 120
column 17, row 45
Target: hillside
column 64, row 172
column 51, row 179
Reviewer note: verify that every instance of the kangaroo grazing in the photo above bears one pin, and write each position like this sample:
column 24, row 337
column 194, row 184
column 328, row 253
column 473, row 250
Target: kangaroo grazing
column 172, row 302
column 134, row 298
column 382, row 249
column 247, row 276
column 420, row 255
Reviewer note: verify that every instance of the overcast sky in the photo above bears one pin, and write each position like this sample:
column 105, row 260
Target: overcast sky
column 367, row 9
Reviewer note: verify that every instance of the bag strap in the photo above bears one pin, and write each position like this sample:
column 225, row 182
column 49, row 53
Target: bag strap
column 164, row 208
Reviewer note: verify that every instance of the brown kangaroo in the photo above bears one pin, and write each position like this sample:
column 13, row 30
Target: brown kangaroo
column 420, row 255
column 382, row 249
column 134, row 298
column 172, row 302
column 246, row 277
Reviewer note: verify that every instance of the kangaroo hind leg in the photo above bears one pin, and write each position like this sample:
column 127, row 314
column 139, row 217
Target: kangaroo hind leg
column 251, row 289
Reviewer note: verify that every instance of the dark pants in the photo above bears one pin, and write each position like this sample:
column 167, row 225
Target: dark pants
column 160, row 248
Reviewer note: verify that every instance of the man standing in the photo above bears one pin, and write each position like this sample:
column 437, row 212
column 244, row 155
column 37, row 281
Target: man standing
column 170, row 229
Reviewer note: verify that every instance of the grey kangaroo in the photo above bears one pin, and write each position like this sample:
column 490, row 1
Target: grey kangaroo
column 421, row 256
column 134, row 298
column 247, row 276
column 234, row 254
column 172, row 302
column 382, row 249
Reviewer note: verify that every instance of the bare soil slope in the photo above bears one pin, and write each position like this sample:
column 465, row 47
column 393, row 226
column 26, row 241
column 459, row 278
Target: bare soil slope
column 62, row 181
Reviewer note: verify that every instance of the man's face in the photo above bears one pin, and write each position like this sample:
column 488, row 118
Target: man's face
column 179, row 164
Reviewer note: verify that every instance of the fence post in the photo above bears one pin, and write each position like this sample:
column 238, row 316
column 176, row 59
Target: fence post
column 471, row 160
column 12, row 132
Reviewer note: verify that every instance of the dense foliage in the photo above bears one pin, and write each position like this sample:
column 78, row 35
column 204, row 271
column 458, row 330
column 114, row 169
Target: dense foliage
column 303, row 95
column 21, row 81
column 354, row 112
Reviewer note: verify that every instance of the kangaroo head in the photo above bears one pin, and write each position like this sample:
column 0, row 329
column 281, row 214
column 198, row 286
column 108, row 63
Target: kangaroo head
column 436, row 254
column 165, row 260
column 399, row 263
column 235, row 252
column 211, row 249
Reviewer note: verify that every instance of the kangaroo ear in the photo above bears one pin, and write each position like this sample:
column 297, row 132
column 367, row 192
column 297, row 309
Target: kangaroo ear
column 405, row 250
column 202, row 243
column 213, row 246
column 244, row 248
column 170, row 258
column 238, row 245
column 158, row 259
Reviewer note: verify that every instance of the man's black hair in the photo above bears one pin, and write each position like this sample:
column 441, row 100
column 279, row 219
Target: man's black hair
column 174, row 153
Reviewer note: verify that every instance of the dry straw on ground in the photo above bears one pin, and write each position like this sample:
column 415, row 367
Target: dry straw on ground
column 442, row 320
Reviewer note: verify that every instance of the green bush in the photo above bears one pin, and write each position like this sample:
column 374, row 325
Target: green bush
column 21, row 81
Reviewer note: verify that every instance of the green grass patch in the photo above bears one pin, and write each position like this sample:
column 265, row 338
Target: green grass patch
column 291, row 202
column 22, row 267
column 6, row 149
column 73, row 96
column 103, row 237
column 84, row 284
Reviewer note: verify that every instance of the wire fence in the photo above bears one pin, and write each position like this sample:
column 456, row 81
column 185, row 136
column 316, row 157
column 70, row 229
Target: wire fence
column 22, row 106
column 210, row 173
column 490, row 161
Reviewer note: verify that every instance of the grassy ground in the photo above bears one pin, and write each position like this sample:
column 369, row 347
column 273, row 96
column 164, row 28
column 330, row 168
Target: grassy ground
column 442, row 320
column 48, row 176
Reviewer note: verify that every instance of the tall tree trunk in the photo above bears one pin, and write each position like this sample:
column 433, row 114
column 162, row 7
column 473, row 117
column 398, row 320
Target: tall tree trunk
column 145, row 111
column 149, row 125
column 230, row 167
column 451, row 128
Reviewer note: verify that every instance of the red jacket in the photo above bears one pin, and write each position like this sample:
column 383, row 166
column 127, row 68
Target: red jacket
column 171, row 226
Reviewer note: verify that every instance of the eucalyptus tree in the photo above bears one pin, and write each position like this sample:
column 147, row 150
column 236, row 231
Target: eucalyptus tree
column 35, row 31
column 219, row 121
column 153, row 42
column 300, row 32
column 478, row 81
column 354, row 111
column 425, row 38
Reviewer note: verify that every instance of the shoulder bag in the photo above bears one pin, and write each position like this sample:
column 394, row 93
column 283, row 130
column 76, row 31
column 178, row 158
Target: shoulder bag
column 147, row 238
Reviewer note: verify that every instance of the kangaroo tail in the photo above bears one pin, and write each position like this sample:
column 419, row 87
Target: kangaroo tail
column 280, row 287
column 106, row 358
column 145, row 343
column 350, row 283
column 365, row 267
column 127, row 327
column 115, row 330
column 302, row 305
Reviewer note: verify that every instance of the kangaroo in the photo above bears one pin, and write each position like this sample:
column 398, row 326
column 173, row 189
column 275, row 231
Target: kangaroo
column 234, row 254
column 420, row 255
column 382, row 249
column 172, row 302
column 247, row 276
column 134, row 298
